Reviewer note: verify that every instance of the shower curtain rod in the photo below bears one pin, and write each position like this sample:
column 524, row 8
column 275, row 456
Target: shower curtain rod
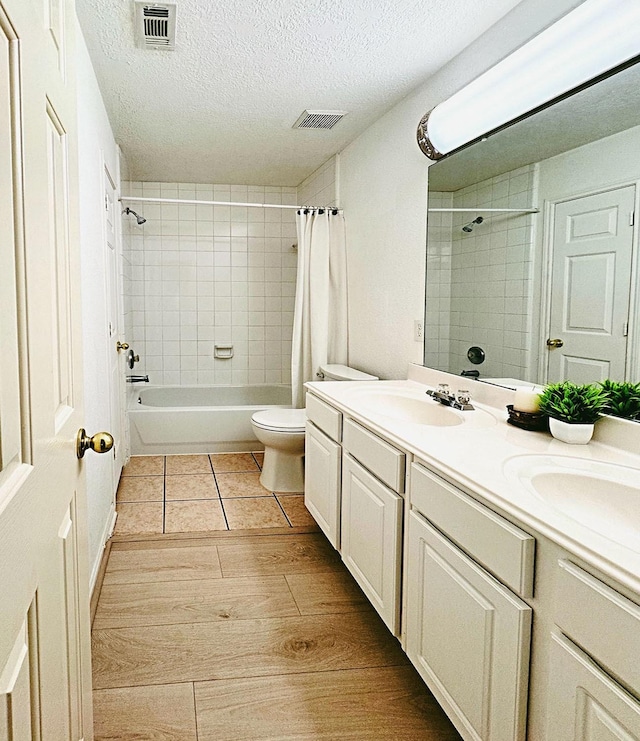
column 220, row 203
column 486, row 210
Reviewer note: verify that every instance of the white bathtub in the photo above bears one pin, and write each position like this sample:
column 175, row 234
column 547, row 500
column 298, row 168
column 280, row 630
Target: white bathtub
column 169, row 420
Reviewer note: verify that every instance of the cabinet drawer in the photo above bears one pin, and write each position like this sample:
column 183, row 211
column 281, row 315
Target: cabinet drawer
column 324, row 416
column 375, row 454
column 495, row 543
column 600, row 620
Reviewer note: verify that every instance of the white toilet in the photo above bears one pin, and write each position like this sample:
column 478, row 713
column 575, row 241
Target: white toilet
column 281, row 431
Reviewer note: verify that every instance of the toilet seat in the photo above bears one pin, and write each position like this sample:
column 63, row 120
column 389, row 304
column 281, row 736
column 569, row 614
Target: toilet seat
column 280, row 420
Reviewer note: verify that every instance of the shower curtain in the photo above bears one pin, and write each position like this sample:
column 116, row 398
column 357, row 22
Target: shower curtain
column 320, row 314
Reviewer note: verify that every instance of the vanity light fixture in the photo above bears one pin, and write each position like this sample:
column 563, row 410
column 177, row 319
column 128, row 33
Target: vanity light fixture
column 593, row 39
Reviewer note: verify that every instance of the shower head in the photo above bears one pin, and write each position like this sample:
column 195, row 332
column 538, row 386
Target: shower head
column 469, row 227
column 139, row 219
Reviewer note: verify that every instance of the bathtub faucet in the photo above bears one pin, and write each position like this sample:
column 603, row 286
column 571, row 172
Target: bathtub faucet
column 137, row 379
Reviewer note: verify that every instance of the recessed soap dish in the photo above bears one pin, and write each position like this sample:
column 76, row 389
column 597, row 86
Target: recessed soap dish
column 223, row 352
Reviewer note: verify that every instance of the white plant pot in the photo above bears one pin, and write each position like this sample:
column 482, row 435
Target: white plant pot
column 570, row 433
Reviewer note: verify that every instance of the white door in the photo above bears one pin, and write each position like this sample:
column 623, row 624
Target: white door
column 44, row 646
column 116, row 359
column 590, row 288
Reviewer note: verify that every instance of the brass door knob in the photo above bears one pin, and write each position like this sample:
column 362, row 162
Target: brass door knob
column 122, row 346
column 101, row 442
column 555, row 343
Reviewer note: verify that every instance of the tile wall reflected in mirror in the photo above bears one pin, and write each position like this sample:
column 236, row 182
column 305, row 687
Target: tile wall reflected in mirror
column 510, row 282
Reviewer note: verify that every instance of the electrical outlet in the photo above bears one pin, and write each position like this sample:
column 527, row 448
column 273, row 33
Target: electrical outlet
column 418, row 330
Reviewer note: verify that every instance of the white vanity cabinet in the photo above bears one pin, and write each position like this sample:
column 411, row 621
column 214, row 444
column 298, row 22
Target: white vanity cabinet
column 467, row 634
column 372, row 480
column 594, row 680
column 371, row 538
column 323, row 467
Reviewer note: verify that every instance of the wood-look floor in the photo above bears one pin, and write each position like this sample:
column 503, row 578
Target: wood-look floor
column 250, row 637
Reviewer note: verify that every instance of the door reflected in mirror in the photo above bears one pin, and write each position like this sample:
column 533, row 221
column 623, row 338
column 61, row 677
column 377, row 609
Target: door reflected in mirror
column 532, row 245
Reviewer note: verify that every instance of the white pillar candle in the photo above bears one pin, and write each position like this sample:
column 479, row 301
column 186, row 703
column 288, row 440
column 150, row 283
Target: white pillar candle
column 526, row 400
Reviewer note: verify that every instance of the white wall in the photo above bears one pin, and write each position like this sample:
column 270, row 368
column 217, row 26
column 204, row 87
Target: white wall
column 96, row 149
column 321, row 187
column 383, row 186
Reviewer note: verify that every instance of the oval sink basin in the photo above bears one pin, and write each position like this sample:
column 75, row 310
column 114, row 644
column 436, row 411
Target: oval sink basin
column 417, row 408
column 603, row 497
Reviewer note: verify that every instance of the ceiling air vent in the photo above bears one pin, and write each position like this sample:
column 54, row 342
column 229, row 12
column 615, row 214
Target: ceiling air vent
column 156, row 25
column 319, row 119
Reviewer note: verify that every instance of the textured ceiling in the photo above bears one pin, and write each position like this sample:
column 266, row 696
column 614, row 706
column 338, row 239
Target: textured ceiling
column 221, row 106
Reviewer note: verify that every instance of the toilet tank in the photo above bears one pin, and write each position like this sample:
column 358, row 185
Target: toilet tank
column 334, row 372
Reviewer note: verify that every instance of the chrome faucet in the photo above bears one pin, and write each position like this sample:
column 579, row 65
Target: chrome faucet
column 137, row 379
column 460, row 400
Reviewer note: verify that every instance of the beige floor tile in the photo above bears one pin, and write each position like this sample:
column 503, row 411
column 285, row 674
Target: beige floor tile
column 233, row 462
column 162, row 564
column 177, row 464
column 385, row 704
column 191, row 486
column 139, row 517
column 194, row 652
column 259, row 458
column 140, row 489
column 144, row 465
column 132, row 713
column 294, row 508
column 241, row 485
column 332, row 592
column 194, row 601
column 193, row 517
column 244, row 514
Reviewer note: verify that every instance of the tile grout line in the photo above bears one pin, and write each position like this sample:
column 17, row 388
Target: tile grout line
column 215, row 480
column 282, row 509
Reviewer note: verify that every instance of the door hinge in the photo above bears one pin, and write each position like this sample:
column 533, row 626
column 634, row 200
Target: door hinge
column 625, row 329
column 106, row 202
column 632, row 218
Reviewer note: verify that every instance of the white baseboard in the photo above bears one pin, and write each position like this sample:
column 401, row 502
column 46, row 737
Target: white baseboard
column 106, row 534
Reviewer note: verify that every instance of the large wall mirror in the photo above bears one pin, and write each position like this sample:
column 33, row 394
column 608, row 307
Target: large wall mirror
column 532, row 246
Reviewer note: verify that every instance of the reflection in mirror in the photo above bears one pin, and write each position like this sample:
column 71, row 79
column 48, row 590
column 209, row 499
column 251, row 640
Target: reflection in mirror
column 532, row 245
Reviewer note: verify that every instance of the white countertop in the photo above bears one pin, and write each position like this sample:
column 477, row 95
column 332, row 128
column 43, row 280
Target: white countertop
column 474, row 453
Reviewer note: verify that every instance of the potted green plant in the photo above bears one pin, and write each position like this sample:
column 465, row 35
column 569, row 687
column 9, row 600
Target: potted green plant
column 623, row 399
column 573, row 410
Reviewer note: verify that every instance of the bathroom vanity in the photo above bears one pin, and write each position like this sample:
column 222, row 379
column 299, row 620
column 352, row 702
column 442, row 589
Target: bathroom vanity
column 506, row 563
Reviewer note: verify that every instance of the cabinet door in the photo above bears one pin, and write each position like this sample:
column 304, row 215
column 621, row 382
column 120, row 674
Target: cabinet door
column 322, row 482
column 371, row 538
column 584, row 703
column 468, row 636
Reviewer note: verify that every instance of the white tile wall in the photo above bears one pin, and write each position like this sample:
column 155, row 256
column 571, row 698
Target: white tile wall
column 490, row 278
column 438, row 282
column 198, row 276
